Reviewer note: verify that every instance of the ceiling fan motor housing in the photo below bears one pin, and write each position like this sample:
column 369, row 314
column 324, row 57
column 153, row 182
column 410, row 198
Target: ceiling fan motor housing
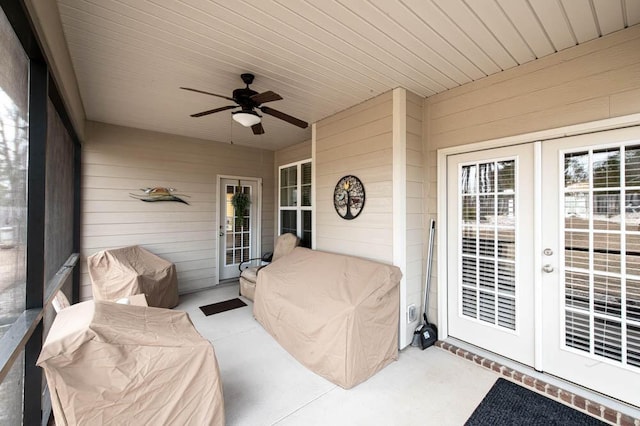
column 243, row 98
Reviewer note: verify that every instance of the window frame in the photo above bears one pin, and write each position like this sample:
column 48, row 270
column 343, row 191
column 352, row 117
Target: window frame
column 298, row 207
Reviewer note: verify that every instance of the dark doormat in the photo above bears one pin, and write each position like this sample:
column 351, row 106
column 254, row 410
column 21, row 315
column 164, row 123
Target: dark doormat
column 227, row 305
column 507, row 403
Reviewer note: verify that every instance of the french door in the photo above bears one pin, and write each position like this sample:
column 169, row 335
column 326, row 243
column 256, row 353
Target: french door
column 586, row 248
column 591, row 272
column 491, row 268
column 238, row 233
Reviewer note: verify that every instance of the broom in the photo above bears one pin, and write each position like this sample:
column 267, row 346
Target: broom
column 426, row 334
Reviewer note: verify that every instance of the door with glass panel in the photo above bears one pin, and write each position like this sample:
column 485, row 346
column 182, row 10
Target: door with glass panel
column 591, row 261
column 238, row 232
column 490, row 251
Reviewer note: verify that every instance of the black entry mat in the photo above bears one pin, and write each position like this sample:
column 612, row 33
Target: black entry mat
column 227, row 305
column 507, row 403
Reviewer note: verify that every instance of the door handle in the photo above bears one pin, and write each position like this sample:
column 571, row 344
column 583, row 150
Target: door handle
column 547, row 268
column 221, row 234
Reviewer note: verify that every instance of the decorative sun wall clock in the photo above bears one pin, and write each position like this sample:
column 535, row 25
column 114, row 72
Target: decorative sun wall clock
column 348, row 197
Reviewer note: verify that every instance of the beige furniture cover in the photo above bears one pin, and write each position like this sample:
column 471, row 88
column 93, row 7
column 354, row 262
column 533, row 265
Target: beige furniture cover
column 336, row 314
column 248, row 277
column 108, row 363
column 126, row 271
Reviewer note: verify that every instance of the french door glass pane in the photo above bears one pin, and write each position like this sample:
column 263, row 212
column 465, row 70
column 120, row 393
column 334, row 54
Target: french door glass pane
column 602, row 252
column 487, row 222
column 632, row 167
column 238, row 241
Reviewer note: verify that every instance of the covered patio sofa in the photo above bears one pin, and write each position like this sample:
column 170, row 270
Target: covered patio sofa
column 336, row 314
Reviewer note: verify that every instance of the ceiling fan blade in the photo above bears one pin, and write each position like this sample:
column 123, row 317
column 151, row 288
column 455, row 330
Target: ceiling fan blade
column 208, row 93
column 285, row 117
column 211, row 111
column 265, row 97
column 257, row 129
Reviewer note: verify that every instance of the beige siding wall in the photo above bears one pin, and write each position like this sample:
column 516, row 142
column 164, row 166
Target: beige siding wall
column 593, row 81
column 298, row 152
column 365, row 141
column 117, row 161
column 359, row 142
column 415, row 204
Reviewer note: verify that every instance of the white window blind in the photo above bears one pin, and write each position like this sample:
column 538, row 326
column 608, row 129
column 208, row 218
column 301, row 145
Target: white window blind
column 487, row 243
column 602, row 252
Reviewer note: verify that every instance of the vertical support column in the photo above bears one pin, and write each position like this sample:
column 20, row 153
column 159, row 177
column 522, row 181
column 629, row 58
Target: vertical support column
column 314, row 182
column 400, row 204
column 35, row 235
column 442, row 219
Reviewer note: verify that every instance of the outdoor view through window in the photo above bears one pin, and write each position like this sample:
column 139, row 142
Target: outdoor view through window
column 14, row 80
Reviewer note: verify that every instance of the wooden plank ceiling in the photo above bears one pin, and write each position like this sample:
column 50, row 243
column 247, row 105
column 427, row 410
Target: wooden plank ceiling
column 321, row 56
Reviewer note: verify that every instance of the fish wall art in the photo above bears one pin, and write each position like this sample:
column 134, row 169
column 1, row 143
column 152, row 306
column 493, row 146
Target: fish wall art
column 159, row 193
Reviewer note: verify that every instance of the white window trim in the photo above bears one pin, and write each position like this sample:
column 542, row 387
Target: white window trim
column 299, row 208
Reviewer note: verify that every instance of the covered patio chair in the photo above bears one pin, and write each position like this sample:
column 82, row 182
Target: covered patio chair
column 127, row 271
column 116, row 364
column 285, row 243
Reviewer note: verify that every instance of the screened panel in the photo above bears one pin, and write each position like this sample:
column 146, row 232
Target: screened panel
column 14, row 148
column 487, row 246
column 602, row 252
column 12, row 394
column 59, row 194
column 59, row 203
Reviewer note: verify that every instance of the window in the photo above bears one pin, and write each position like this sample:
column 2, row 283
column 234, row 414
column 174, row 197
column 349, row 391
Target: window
column 295, row 201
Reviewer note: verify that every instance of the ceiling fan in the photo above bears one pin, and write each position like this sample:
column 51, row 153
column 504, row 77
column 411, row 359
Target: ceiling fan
column 250, row 100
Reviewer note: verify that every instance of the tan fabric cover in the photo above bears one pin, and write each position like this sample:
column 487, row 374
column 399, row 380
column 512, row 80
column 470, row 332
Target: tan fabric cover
column 136, row 299
column 247, row 288
column 248, row 277
column 337, row 315
column 126, row 271
column 284, row 244
column 60, row 301
column 108, row 363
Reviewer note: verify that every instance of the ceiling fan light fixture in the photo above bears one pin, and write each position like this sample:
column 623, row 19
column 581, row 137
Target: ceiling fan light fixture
column 246, row 118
